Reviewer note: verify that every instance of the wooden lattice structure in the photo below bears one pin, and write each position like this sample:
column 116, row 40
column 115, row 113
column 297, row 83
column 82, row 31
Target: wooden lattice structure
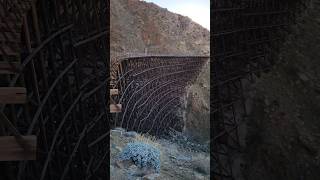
column 53, row 68
column 148, row 91
column 246, row 37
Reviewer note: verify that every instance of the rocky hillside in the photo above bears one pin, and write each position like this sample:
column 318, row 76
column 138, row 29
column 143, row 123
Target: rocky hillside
column 284, row 129
column 138, row 27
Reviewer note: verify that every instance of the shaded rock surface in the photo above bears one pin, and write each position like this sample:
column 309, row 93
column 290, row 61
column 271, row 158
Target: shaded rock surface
column 197, row 107
column 284, row 129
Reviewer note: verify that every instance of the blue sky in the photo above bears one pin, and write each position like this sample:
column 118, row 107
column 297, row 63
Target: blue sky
column 197, row 10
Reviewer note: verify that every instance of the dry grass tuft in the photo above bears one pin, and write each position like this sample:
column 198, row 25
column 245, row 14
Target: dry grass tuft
column 148, row 139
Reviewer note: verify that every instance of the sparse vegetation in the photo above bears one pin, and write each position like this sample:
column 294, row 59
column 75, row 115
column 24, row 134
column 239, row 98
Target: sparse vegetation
column 143, row 155
column 177, row 161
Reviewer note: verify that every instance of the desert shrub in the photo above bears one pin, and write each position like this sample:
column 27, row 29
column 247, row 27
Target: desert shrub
column 143, row 155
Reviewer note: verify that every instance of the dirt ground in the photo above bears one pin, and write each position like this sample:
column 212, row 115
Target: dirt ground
column 179, row 160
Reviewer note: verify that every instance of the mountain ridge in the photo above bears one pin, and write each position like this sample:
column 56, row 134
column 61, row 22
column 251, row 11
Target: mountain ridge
column 143, row 27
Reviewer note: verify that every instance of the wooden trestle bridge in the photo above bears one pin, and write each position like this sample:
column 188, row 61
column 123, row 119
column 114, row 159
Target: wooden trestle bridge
column 53, row 71
column 54, row 90
column 146, row 91
column 54, row 83
column 247, row 36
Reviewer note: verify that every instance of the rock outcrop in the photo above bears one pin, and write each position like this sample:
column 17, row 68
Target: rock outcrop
column 197, row 107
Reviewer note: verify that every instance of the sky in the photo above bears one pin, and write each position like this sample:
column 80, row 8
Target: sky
column 197, row 10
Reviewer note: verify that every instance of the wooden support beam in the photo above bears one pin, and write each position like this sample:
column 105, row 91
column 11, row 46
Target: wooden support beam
column 11, row 149
column 9, row 68
column 115, row 108
column 13, row 95
column 114, row 92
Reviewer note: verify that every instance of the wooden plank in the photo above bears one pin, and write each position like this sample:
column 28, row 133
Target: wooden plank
column 115, row 108
column 9, row 68
column 114, row 92
column 13, row 95
column 11, row 150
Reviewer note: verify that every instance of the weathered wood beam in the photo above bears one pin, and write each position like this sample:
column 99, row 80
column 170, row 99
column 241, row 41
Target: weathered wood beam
column 11, row 149
column 9, row 68
column 114, row 92
column 13, row 95
column 115, row 108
